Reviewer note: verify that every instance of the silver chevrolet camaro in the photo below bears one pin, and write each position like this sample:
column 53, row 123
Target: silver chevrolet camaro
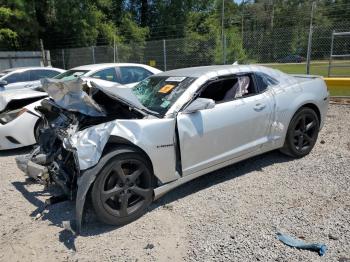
column 129, row 146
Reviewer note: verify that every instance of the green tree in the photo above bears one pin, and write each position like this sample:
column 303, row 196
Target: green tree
column 18, row 27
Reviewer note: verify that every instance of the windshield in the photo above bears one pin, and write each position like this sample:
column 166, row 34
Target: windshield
column 71, row 74
column 159, row 93
column 4, row 72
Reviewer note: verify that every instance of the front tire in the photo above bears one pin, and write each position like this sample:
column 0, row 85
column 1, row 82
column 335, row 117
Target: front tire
column 123, row 189
column 302, row 133
column 38, row 126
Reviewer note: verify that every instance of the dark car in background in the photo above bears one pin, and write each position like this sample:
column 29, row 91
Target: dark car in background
column 291, row 59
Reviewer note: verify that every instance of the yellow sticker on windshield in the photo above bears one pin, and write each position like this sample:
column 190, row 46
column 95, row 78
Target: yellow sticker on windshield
column 166, row 89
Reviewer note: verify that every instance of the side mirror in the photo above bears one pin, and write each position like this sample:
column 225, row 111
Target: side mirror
column 3, row 82
column 200, row 104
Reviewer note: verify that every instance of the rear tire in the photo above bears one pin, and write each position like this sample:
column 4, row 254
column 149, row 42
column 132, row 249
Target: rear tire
column 123, row 189
column 302, row 133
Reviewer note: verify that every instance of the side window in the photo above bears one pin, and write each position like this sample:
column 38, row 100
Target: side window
column 132, row 74
column 228, row 89
column 108, row 74
column 263, row 81
column 18, row 77
column 38, row 74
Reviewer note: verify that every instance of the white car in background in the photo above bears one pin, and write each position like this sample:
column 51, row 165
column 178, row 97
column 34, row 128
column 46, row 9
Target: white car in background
column 19, row 125
column 26, row 77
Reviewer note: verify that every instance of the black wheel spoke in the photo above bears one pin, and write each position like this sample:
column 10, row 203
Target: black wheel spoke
column 308, row 138
column 297, row 133
column 300, row 142
column 145, row 193
column 124, row 198
column 132, row 177
column 120, row 172
column 115, row 191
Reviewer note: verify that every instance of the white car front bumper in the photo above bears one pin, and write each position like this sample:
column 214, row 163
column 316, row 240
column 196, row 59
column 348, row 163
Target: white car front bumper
column 19, row 132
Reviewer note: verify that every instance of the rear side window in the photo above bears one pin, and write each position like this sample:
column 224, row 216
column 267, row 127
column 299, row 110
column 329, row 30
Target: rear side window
column 263, row 81
column 229, row 88
column 108, row 74
column 17, row 77
column 38, row 74
column 132, row 74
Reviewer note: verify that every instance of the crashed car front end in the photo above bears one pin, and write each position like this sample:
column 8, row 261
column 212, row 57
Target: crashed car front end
column 73, row 136
column 86, row 125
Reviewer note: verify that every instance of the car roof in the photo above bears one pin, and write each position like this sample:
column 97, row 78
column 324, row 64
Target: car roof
column 104, row 65
column 30, row 68
column 202, row 70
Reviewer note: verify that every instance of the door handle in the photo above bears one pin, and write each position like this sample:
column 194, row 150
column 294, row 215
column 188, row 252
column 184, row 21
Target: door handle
column 259, row 107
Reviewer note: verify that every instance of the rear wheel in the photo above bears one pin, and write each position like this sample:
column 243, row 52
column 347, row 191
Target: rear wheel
column 123, row 189
column 302, row 133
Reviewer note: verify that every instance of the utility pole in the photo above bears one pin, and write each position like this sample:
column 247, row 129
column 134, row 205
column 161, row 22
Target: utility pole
column 308, row 58
column 222, row 30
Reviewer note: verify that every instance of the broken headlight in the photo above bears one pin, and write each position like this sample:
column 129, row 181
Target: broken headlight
column 11, row 115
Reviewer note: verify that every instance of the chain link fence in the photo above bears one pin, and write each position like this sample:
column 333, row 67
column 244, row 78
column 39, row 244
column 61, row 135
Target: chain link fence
column 283, row 48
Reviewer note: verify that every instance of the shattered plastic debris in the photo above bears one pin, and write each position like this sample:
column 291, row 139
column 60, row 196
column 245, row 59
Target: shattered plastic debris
column 297, row 243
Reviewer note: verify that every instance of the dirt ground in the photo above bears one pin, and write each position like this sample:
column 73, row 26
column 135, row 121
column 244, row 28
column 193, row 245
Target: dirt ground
column 229, row 215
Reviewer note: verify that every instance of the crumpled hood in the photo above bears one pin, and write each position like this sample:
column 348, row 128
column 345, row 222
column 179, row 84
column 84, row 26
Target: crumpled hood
column 77, row 94
column 18, row 94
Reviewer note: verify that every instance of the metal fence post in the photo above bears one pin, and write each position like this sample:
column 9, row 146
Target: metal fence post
column 225, row 46
column 42, row 52
column 93, row 54
column 114, row 50
column 222, row 31
column 63, row 61
column 48, row 57
column 164, row 54
column 308, row 57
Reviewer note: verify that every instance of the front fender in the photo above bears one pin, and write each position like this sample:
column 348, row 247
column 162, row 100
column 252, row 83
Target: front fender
column 154, row 136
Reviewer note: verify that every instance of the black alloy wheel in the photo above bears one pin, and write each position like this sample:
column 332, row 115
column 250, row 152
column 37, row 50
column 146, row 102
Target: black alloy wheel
column 123, row 190
column 302, row 133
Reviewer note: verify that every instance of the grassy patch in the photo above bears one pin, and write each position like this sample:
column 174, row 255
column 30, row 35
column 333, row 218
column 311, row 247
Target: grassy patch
column 319, row 68
column 316, row 68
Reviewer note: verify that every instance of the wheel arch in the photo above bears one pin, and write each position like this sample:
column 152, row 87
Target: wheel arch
column 313, row 107
column 115, row 141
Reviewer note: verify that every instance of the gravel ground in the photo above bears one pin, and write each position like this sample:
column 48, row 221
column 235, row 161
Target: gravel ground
column 230, row 215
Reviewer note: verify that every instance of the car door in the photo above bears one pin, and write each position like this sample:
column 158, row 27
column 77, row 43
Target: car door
column 229, row 130
column 17, row 80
